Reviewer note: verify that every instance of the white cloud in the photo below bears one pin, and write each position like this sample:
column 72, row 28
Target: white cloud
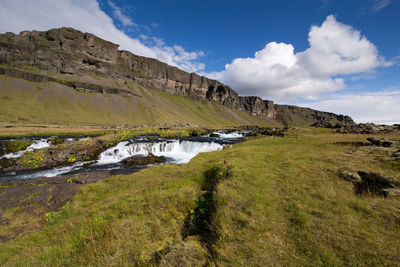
column 377, row 5
column 86, row 16
column 277, row 72
column 117, row 12
column 336, row 48
column 378, row 107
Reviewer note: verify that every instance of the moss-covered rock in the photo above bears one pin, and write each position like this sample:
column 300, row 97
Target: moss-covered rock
column 57, row 140
column 17, row 145
column 139, row 160
column 58, row 155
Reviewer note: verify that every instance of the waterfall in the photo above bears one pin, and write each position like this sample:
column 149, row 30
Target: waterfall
column 37, row 144
column 236, row 134
column 178, row 151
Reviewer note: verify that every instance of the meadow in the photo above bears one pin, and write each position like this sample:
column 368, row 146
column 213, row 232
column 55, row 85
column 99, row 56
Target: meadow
column 266, row 201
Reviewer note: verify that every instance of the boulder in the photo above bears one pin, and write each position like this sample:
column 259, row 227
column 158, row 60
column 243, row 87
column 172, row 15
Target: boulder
column 140, row 160
column 372, row 183
column 382, row 142
column 374, row 141
column 353, row 177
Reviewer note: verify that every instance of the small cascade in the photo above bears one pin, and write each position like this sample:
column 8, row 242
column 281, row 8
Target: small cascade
column 37, row 144
column 223, row 134
column 178, row 151
column 49, row 173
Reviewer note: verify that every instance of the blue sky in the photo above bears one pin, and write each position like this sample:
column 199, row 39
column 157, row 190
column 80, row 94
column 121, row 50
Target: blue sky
column 226, row 30
column 339, row 56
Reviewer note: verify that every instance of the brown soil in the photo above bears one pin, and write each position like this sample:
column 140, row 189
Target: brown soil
column 41, row 195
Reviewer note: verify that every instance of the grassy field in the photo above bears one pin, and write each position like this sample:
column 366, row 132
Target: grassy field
column 24, row 103
column 282, row 205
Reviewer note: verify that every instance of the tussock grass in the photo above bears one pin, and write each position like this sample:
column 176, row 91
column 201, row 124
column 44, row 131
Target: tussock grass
column 284, row 205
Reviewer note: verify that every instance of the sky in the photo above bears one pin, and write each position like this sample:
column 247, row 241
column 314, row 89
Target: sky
column 331, row 55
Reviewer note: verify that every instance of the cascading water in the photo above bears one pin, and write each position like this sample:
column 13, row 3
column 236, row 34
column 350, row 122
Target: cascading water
column 52, row 172
column 37, row 144
column 175, row 150
column 223, row 134
column 178, row 151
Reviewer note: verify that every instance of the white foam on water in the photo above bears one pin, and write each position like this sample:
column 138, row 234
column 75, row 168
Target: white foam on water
column 50, row 173
column 236, row 134
column 178, row 151
column 37, row 144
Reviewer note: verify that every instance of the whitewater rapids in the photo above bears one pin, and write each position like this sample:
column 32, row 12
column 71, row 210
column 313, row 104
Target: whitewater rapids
column 177, row 150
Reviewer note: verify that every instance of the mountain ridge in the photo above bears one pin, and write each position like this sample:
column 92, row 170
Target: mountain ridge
column 67, row 51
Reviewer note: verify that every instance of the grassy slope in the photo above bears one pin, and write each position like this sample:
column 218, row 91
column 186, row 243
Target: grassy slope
column 23, row 102
column 284, row 205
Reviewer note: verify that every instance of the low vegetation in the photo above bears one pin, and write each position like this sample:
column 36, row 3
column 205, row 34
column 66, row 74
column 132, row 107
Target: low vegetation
column 269, row 201
column 17, row 145
column 49, row 103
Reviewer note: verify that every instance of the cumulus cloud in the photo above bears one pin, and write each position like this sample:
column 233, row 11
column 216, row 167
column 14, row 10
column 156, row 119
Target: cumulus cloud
column 277, row 72
column 86, row 16
column 378, row 107
column 336, row 48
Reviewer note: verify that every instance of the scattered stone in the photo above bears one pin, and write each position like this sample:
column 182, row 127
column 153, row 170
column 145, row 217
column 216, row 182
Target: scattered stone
column 381, row 142
column 366, row 128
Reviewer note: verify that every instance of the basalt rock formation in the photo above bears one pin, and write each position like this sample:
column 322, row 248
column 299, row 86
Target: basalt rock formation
column 71, row 52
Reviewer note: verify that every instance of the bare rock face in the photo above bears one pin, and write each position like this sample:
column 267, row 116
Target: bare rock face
column 68, row 51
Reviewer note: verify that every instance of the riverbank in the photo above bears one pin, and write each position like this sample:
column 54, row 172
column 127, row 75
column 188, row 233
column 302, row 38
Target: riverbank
column 284, row 203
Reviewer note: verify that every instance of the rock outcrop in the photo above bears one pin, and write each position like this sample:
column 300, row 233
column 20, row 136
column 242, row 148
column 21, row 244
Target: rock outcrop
column 68, row 51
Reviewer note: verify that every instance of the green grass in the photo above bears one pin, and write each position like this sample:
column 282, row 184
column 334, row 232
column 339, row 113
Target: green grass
column 29, row 103
column 284, row 205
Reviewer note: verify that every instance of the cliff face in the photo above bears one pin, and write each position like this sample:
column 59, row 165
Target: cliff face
column 68, row 51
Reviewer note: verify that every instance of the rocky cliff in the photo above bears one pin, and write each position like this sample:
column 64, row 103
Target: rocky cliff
column 71, row 52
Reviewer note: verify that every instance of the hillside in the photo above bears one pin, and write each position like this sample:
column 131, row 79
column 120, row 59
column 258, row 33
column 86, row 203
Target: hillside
column 77, row 78
column 52, row 103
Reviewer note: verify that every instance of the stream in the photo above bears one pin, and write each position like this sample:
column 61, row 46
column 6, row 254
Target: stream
column 178, row 151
